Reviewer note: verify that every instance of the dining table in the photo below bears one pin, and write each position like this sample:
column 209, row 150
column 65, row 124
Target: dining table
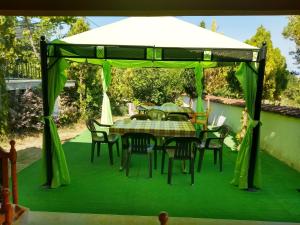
column 157, row 128
column 167, row 109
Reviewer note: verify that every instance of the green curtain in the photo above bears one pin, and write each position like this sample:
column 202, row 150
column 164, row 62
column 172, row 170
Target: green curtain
column 198, row 77
column 247, row 76
column 56, row 83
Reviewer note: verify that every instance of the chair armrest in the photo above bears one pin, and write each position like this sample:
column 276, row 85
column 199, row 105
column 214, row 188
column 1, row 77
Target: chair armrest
column 101, row 125
column 102, row 132
column 203, row 132
column 208, row 140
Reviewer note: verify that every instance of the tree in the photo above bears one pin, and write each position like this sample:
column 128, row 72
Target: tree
column 276, row 73
column 33, row 27
column 3, row 107
column 7, row 55
column 156, row 85
column 79, row 26
column 292, row 32
column 202, row 24
column 214, row 25
column 291, row 96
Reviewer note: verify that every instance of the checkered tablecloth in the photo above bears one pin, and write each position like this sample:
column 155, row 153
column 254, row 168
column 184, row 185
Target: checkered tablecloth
column 157, row 128
column 171, row 109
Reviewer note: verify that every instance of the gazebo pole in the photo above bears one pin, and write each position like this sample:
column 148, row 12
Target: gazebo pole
column 47, row 134
column 257, row 109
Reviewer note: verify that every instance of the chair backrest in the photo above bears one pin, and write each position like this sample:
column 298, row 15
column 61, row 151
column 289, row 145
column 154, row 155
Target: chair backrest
column 140, row 117
column 138, row 142
column 182, row 146
column 220, row 121
column 90, row 123
column 169, row 104
column 156, row 114
column 223, row 131
column 200, row 118
column 177, row 117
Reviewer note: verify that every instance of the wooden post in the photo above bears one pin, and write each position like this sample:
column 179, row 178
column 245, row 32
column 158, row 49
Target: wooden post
column 7, row 207
column 257, row 109
column 47, row 134
column 13, row 163
column 163, row 218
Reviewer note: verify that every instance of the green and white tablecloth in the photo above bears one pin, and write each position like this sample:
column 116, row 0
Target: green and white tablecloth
column 171, row 109
column 157, row 128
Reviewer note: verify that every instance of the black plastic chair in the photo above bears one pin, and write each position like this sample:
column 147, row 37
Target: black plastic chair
column 177, row 117
column 179, row 148
column 138, row 143
column 100, row 136
column 140, row 117
column 156, row 114
column 214, row 143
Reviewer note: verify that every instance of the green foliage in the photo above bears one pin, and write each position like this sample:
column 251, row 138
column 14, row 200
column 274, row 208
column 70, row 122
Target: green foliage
column 120, row 90
column 78, row 27
column 292, row 32
column 68, row 107
column 202, row 24
column 222, row 82
column 291, row 95
column 189, row 82
column 214, row 25
column 20, row 38
column 275, row 80
column 8, row 43
column 89, row 88
column 156, row 85
column 3, row 107
column 26, row 112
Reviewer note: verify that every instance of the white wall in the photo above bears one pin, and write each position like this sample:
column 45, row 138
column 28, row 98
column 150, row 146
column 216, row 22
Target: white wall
column 280, row 135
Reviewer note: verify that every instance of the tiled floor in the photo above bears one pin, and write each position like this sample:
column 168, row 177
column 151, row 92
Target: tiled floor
column 53, row 218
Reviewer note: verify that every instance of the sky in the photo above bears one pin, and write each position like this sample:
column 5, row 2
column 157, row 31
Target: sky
column 238, row 27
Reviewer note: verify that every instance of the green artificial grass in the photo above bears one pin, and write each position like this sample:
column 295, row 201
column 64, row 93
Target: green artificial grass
column 100, row 188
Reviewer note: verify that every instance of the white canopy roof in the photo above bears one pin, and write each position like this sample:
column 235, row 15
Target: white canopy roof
column 158, row 32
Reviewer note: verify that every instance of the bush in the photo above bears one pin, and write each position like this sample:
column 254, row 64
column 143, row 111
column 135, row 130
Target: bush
column 26, row 111
column 68, row 107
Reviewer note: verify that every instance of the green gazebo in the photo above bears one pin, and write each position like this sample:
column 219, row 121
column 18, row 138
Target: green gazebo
column 152, row 42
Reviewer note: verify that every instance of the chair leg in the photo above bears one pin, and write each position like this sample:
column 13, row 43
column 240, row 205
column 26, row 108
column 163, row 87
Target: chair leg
column 201, row 157
column 98, row 148
column 183, row 166
column 110, row 152
column 221, row 159
column 118, row 149
column 155, row 158
column 215, row 156
column 92, row 151
column 150, row 165
column 123, row 159
column 192, row 170
column 128, row 159
column 163, row 162
column 170, row 170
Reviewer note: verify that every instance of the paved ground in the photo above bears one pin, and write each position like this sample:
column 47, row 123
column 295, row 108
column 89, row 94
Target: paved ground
column 53, row 218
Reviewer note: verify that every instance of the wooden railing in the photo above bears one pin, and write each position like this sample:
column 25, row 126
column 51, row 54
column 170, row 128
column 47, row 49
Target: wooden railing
column 8, row 212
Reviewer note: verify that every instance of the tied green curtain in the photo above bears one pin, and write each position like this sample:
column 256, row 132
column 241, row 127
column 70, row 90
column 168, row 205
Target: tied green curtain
column 198, row 77
column 247, row 76
column 56, row 83
column 106, row 116
column 199, row 87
